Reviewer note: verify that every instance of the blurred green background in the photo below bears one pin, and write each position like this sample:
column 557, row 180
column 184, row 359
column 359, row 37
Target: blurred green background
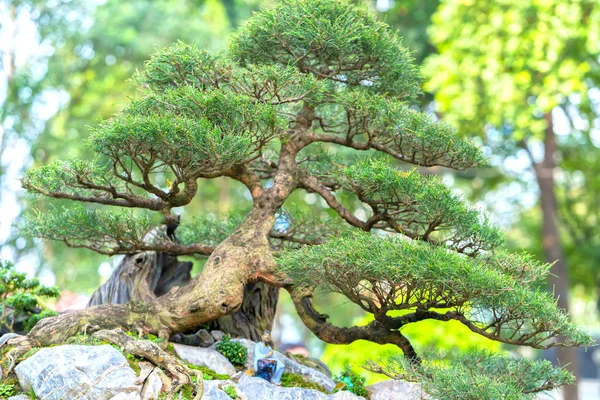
column 519, row 77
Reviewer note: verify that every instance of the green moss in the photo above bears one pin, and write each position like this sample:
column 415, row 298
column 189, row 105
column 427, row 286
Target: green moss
column 208, row 373
column 187, row 392
column 295, row 380
column 230, row 391
column 134, row 363
column 171, row 349
column 6, row 390
column 85, row 340
column 353, row 382
column 31, row 352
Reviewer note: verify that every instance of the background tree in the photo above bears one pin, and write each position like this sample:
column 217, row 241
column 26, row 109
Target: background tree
column 512, row 69
column 298, row 79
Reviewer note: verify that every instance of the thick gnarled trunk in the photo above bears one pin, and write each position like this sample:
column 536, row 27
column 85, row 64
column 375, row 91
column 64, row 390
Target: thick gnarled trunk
column 145, row 276
column 241, row 260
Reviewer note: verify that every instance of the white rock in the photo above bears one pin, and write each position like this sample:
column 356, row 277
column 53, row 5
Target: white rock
column 75, row 371
column 291, row 366
column 127, row 396
column 394, row 389
column 154, row 385
column 213, row 390
column 205, row 358
column 19, row 397
column 258, row 388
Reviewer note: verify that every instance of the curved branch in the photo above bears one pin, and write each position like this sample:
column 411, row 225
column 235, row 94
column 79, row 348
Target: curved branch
column 375, row 331
column 311, row 184
column 521, row 340
column 371, row 145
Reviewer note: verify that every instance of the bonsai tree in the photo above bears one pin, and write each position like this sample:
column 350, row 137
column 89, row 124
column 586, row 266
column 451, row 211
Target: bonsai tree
column 300, row 83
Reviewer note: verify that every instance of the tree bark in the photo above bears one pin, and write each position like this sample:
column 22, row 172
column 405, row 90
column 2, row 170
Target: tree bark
column 145, row 276
column 553, row 251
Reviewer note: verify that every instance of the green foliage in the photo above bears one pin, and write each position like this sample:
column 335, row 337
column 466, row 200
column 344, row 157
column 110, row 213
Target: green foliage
column 417, row 137
column 354, row 382
column 194, row 131
column 507, row 63
column 479, row 375
column 230, row 391
column 103, row 231
column 295, row 380
column 329, row 39
column 421, row 206
column 235, row 352
column 427, row 277
column 452, row 338
column 6, row 390
column 20, row 298
column 209, row 229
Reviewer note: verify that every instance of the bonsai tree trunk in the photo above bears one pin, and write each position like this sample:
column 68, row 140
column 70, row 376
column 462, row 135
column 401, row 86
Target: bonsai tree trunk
column 256, row 314
column 144, row 276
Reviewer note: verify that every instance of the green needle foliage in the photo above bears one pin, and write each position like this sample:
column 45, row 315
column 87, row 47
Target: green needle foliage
column 383, row 274
column 21, row 299
column 420, row 206
column 307, row 94
column 477, row 375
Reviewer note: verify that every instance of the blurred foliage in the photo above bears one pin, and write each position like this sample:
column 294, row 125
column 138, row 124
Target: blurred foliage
column 507, row 63
column 353, row 381
column 90, row 53
column 451, row 338
column 21, row 300
column 502, row 66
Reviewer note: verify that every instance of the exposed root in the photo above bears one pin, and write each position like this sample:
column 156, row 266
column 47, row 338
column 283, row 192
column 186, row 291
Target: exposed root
column 154, row 353
column 22, row 345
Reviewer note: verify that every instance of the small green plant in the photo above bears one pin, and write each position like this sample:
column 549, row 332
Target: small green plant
column 354, row 382
column 230, row 391
column 295, row 380
column 20, row 299
column 235, row 352
column 6, row 390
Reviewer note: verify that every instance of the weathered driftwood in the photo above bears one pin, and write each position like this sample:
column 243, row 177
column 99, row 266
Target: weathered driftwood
column 142, row 277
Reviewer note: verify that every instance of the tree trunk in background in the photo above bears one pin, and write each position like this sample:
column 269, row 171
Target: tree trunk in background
column 143, row 276
column 553, row 251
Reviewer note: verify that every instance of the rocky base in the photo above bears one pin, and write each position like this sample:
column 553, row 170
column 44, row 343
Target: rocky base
column 103, row 372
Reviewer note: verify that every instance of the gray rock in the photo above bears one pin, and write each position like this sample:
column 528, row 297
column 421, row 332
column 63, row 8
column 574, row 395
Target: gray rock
column 202, row 338
column 19, row 397
column 257, row 388
column 127, row 396
column 154, row 385
column 291, row 366
column 205, row 337
column 397, row 390
column 345, row 395
column 213, row 390
column 75, row 371
column 205, row 358
column 6, row 337
column 146, row 369
column 217, row 335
